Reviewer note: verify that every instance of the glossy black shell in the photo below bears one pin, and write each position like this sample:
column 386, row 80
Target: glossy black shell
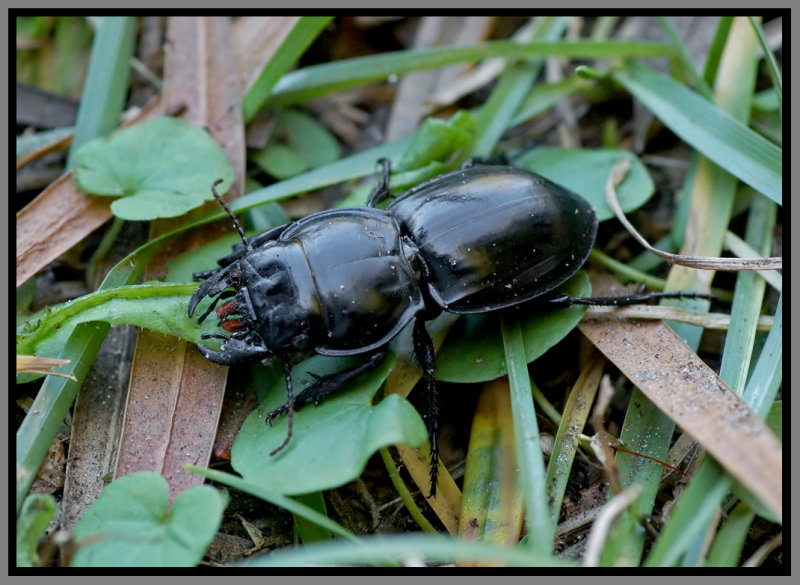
column 364, row 284
column 493, row 237
column 346, row 281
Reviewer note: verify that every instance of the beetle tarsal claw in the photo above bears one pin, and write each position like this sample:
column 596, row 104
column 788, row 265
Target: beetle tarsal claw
column 234, row 351
column 212, row 287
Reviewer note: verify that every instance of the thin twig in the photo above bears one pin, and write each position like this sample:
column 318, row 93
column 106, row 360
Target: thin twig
column 702, row 262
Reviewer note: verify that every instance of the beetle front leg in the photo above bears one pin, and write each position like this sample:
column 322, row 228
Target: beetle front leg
column 381, row 190
column 233, row 350
column 423, row 351
column 327, row 385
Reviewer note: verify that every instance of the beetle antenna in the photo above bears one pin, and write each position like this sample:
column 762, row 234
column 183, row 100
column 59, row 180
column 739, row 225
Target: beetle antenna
column 236, row 223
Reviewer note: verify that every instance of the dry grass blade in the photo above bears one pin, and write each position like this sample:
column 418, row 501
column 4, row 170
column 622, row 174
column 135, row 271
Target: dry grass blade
column 703, row 263
column 37, row 153
column 60, row 217
column 602, row 525
column 658, row 362
column 175, row 395
column 719, row 321
column 42, row 365
column 255, row 40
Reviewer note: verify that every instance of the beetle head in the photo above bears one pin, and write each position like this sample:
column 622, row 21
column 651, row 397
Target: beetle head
column 272, row 306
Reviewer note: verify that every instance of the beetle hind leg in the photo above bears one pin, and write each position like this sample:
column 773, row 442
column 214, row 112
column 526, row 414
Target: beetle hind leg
column 623, row 300
column 423, row 351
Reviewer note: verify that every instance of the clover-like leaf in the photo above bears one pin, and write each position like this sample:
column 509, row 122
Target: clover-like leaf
column 585, row 171
column 299, row 143
column 475, row 353
column 161, row 168
column 37, row 512
column 132, row 525
column 331, row 442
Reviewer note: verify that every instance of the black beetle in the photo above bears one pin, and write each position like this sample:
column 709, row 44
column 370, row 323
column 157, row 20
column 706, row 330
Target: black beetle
column 346, row 281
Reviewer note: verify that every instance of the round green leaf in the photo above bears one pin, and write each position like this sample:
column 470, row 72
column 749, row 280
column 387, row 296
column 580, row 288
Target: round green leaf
column 161, row 168
column 299, row 143
column 477, row 354
column 331, row 442
column 585, row 171
column 131, row 525
column 34, row 518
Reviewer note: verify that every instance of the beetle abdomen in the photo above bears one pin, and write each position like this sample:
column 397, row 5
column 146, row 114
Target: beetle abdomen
column 495, row 236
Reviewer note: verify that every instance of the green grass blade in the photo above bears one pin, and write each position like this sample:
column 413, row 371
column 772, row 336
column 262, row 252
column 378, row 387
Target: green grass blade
column 106, row 83
column 318, row 80
column 768, row 372
column 514, row 84
column 691, row 515
column 375, row 549
column 646, row 430
column 302, row 35
column 728, row 545
column 529, row 450
column 772, row 65
column 285, row 502
column 717, row 48
column 713, row 132
column 685, row 57
column 576, row 412
column 311, row 531
column 52, row 403
column 747, row 299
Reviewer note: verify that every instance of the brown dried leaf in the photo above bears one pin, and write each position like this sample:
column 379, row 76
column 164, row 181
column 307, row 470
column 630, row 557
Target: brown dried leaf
column 255, row 40
column 177, row 428
column 60, row 217
column 676, row 380
column 96, row 421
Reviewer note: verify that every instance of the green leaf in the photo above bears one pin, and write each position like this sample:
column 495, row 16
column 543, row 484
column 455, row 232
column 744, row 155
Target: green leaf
column 709, row 129
column 34, row 518
column 309, row 83
column 157, row 306
column 160, row 168
column 182, row 268
column 131, row 525
column 53, row 402
column 298, row 143
column 477, row 355
column 289, row 504
column 586, row 170
column 103, row 96
column 296, row 42
column 331, row 442
column 436, row 140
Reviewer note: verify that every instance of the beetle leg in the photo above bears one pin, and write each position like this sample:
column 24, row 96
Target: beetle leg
column 634, row 299
column 209, row 288
column 233, row 350
column 204, row 275
column 381, row 190
column 327, row 385
column 498, row 159
column 423, row 351
column 289, row 407
column 207, row 312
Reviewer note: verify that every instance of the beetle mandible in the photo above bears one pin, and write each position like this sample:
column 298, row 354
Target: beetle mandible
column 347, row 281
